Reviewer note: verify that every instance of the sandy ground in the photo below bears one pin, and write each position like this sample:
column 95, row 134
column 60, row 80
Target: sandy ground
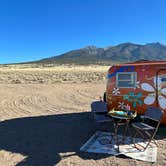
column 46, row 124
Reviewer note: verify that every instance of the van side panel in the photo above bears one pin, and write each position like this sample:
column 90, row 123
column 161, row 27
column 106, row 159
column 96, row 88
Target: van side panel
column 150, row 89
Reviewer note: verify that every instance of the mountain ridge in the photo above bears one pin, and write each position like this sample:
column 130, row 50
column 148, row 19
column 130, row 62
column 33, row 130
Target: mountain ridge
column 123, row 52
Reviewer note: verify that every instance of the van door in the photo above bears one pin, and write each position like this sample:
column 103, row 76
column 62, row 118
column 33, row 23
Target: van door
column 161, row 88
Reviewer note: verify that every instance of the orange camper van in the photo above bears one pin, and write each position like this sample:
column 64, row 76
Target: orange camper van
column 137, row 86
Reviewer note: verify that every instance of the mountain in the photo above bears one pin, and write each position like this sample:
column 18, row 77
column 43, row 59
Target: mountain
column 125, row 52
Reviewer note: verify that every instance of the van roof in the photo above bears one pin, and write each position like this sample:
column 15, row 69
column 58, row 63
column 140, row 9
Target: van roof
column 142, row 62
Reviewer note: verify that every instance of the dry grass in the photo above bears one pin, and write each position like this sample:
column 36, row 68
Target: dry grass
column 37, row 74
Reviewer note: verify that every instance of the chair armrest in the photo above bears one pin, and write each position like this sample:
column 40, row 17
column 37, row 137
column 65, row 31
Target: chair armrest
column 144, row 118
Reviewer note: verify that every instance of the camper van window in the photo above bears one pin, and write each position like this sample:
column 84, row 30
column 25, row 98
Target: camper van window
column 126, row 79
column 163, row 79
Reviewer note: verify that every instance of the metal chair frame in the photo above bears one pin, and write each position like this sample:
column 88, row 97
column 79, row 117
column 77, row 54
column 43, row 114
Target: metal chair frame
column 144, row 129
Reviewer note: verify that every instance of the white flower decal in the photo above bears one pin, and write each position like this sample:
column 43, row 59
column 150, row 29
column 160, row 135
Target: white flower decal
column 137, row 84
column 116, row 91
column 150, row 99
column 121, row 105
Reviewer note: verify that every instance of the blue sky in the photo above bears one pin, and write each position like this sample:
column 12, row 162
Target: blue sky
column 35, row 29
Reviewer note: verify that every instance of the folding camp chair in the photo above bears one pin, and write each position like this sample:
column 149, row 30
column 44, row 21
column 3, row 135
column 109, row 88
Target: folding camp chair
column 99, row 110
column 147, row 127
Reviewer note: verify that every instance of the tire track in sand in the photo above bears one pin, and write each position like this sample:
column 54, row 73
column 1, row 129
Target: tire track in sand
column 26, row 106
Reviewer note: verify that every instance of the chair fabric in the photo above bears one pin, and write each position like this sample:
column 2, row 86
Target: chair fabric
column 153, row 113
column 99, row 107
column 99, row 110
column 146, row 130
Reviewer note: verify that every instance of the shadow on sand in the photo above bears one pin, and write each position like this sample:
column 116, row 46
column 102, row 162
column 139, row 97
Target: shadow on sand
column 43, row 138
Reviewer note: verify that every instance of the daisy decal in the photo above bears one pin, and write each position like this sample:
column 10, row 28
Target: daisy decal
column 116, row 91
column 150, row 99
column 121, row 105
column 137, row 84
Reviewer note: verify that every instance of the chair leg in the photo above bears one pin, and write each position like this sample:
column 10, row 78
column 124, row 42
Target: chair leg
column 126, row 129
column 115, row 136
column 136, row 144
column 149, row 136
column 115, row 133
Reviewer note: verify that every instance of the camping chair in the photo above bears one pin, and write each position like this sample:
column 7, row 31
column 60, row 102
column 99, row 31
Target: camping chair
column 147, row 127
column 99, row 110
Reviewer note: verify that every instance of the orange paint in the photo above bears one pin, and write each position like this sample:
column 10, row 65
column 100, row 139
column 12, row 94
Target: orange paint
column 148, row 86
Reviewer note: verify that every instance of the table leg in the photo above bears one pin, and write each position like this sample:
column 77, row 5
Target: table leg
column 126, row 129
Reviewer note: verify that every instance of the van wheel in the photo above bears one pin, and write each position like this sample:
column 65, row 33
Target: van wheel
column 104, row 97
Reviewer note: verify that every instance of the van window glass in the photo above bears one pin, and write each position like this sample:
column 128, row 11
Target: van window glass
column 126, row 79
column 163, row 79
